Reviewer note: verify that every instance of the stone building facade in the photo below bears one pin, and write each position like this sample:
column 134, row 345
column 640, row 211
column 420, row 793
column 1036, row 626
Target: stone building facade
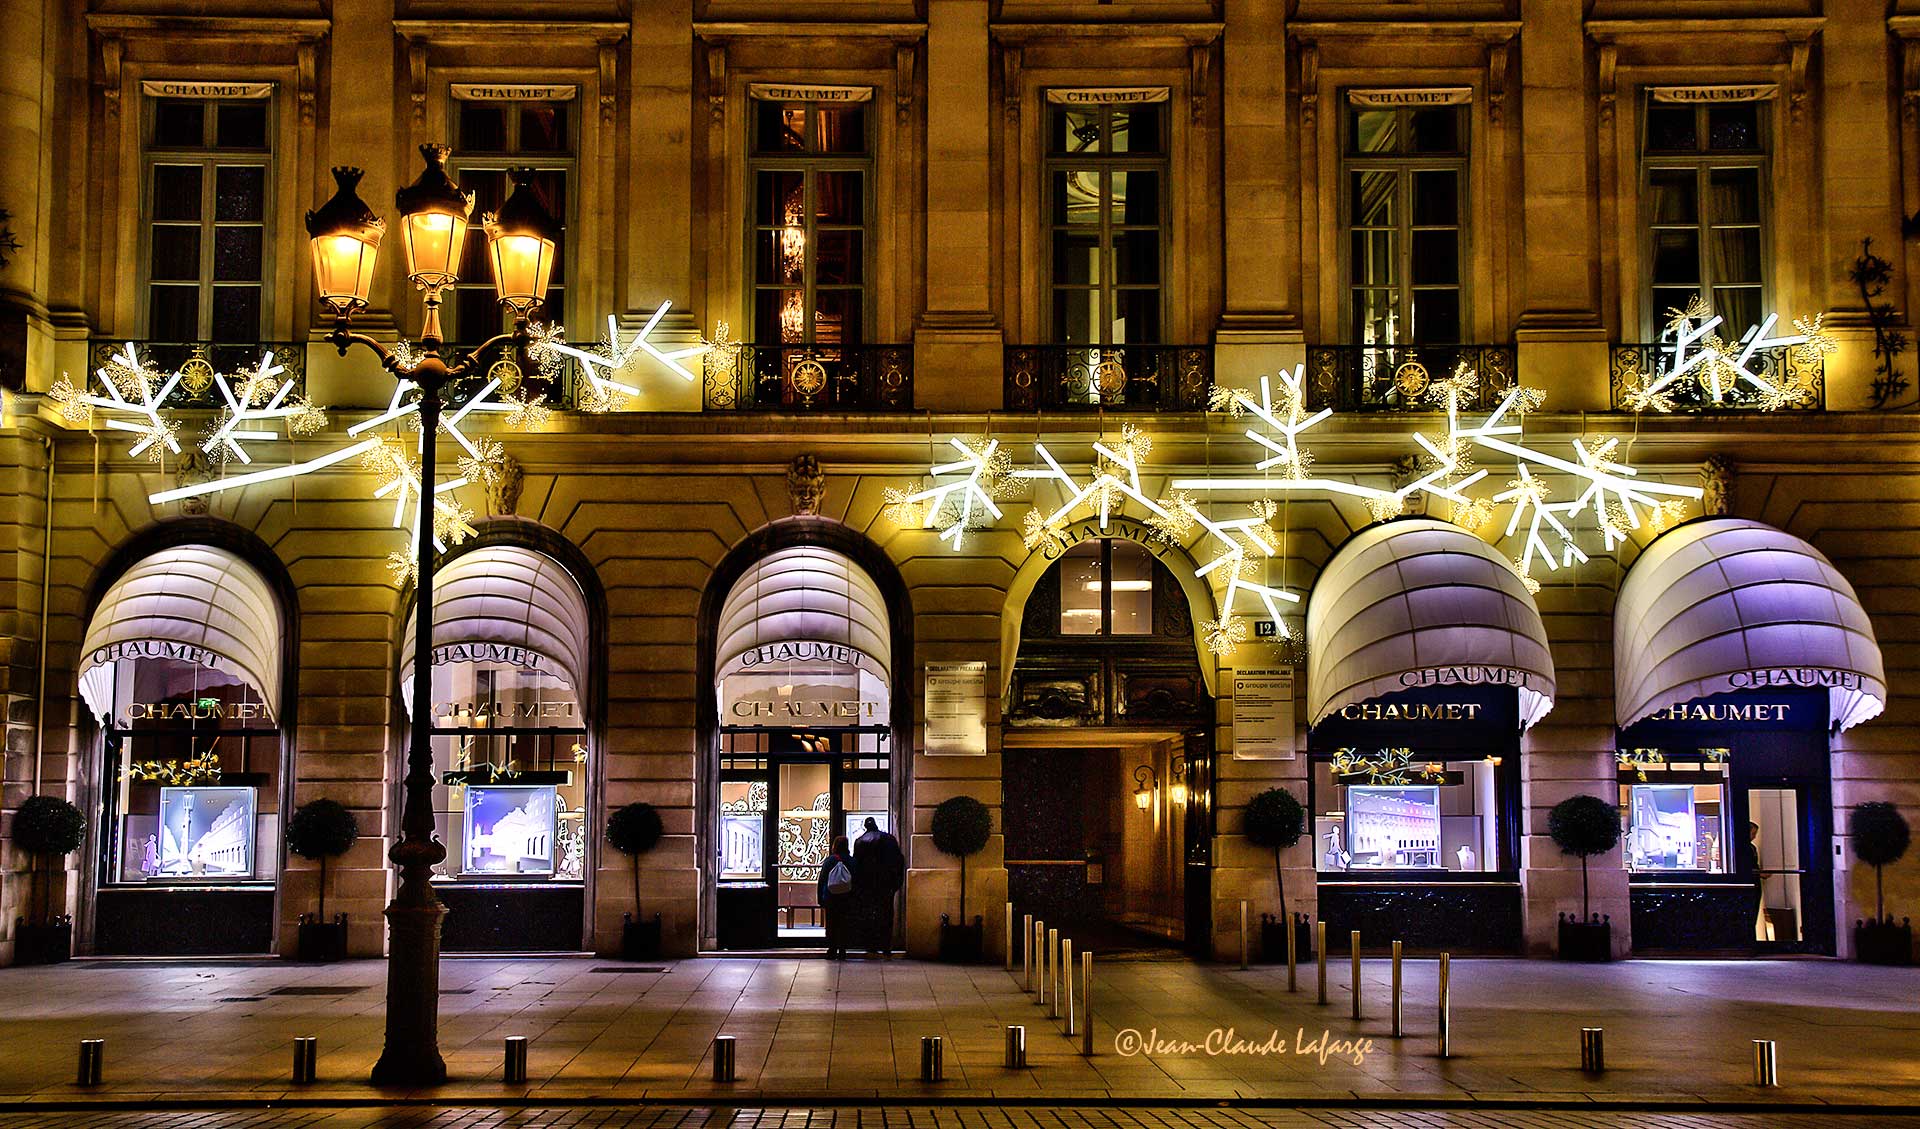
column 1033, row 220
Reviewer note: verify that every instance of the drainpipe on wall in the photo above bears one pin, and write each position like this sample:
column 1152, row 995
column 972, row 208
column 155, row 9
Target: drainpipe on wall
column 46, row 579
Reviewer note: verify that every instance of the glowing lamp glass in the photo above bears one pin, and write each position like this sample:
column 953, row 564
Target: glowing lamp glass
column 1143, row 798
column 343, row 265
column 434, row 241
column 1177, row 794
column 522, row 267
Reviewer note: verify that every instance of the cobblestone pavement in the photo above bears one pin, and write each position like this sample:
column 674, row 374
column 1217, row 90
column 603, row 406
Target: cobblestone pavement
column 946, row 1118
column 808, row 1032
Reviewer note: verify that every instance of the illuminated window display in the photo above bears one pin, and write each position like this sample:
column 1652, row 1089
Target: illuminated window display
column 1433, row 816
column 1675, row 817
column 509, row 831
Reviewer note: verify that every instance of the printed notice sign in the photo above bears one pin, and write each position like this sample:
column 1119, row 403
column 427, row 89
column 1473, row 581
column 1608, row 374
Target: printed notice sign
column 957, row 708
column 1263, row 713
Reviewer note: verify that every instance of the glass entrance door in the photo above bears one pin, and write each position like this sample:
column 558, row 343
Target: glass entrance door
column 1795, row 905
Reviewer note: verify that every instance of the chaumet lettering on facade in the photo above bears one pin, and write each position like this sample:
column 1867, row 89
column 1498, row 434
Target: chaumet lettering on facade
column 1059, row 543
column 155, row 649
column 1804, row 676
column 808, row 709
column 838, row 654
column 505, row 711
column 504, row 653
column 1724, row 711
column 1411, row 711
column 206, row 709
column 1464, row 676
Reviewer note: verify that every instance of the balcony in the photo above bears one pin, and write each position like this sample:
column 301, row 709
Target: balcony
column 1122, row 378
column 1399, row 378
column 1784, row 378
column 197, row 362
column 784, row 378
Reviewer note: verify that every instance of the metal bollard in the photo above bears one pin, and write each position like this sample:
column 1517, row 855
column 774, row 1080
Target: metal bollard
column 723, row 1058
column 1593, row 1049
column 1446, row 973
column 933, row 1059
column 1009, row 923
column 1354, row 942
column 306, row 1052
column 1040, row 963
column 1086, row 1003
column 1054, row 974
column 93, row 1056
column 1243, row 936
column 1026, row 953
column 1066, row 980
column 1396, row 989
column 1293, row 954
column 1016, row 1048
column 514, row 1067
column 1766, row 1063
column 1320, row 955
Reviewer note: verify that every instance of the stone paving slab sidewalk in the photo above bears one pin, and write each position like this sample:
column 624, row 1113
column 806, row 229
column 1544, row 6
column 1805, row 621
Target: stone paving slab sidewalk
column 1678, row 1033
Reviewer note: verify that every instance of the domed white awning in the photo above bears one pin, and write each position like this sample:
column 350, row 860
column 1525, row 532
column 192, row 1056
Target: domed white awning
column 506, row 605
column 803, row 594
column 1726, row 604
column 195, row 603
column 1419, row 602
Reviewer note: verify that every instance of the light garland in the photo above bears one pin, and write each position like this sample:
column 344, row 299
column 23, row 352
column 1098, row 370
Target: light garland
column 1388, row 767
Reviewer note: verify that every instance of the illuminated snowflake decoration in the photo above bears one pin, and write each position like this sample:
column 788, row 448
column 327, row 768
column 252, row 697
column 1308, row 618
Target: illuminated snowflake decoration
column 617, row 359
column 134, row 390
column 1692, row 350
column 980, row 478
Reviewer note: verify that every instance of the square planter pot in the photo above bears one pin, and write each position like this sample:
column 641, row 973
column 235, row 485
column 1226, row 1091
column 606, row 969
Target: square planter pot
column 1877, row 941
column 1590, row 941
column 639, row 940
column 322, row 941
column 962, row 943
column 42, row 944
column 1273, row 939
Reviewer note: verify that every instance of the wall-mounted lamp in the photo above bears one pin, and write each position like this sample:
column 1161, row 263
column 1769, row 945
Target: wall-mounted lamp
column 1177, row 780
column 1147, row 782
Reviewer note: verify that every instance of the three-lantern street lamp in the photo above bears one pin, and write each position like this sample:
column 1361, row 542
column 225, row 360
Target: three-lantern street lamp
column 345, row 235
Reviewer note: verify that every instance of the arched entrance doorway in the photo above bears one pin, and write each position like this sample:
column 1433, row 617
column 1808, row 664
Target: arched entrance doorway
column 1107, row 745
column 805, row 627
column 187, row 671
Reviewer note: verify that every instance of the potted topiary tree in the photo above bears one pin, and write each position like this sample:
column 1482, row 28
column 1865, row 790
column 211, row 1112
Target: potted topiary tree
column 48, row 829
column 1880, row 838
column 1276, row 820
column 322, row 830
column 633, row 830
column 1585, row 826
column 961, row 827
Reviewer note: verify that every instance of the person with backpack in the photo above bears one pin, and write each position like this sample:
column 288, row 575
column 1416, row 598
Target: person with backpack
column 879, row 868
column 835, row 888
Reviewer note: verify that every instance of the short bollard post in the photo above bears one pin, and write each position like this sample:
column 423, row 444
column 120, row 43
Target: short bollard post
column 723, row 1060
column 1026, row 953
column 1243, row 936
column 1320, row 955
column 1766, row 1063
column 1016, row 1048
column 1593, row 1049
column 1446, row 972
column 1066, row 980
column 306, row 1052
column 1086, row 1003
column 1396, row 989
column 93, row 1055
column 514, row 1066
column 1054, row 974
column 1293, row 952
column 1354, row 942
column 1040, row 963
column 933, row 1059
column 1009, row 924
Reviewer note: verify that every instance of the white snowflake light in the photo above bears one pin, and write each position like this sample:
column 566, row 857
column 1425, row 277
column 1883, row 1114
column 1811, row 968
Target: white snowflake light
column 618, row 358
column 985, row 472
column 1720, row 367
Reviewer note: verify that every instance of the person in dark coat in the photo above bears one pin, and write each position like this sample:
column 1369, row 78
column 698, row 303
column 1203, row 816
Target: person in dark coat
column 879, row 868
column 834, row 903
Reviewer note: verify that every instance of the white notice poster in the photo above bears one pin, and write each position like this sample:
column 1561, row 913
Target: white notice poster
column 1263, row 713
column 957, row 708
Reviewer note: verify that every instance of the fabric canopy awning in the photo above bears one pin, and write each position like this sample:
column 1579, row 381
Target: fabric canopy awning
column 809, row 594
column 507, row 605
column 1725, row 604
column 195, row 603
column 1417, row 603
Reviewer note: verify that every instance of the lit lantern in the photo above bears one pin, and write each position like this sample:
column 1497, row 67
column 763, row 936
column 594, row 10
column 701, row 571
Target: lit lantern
column 345, row 235
column 521, row 241
column 1147, row 784
column 434, row 213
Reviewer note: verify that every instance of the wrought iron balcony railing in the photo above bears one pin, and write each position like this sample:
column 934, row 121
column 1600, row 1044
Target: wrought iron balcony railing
column 1783, row 378
column 1068, row 378
column 196, row 362
column 1401, row 378
column 782, row 378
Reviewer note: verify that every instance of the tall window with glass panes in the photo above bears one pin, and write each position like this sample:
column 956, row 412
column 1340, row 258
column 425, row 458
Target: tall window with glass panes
column 489, row 139
column 206, row 232
column 1106, row 177
column 810, row 170
column 1705, row 209
column 1404, row 174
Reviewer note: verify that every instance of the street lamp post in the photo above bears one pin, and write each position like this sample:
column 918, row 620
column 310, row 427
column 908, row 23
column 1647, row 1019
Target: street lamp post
column 345, row 236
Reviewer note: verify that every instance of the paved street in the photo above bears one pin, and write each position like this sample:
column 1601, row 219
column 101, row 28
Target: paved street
column 809, row 1031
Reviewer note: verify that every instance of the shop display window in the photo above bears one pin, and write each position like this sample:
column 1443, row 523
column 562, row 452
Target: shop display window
column 1674, row 815
column 1431, row 816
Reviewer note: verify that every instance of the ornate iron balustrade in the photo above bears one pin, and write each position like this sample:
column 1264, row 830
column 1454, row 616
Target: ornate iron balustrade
column 1397, row 378
column 1799, row 375
column 197, row 362
column 1068, row 378
column 782, row 378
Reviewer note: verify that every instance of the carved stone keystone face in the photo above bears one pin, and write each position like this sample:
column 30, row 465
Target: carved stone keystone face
column 806, row 485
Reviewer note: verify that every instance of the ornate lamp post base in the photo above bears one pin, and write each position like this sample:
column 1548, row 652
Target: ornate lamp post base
column 412, row 1054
